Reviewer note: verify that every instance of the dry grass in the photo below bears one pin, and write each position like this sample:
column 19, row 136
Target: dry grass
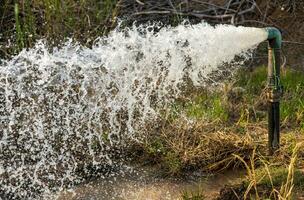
column 288, row 185
column 250, row 168
column 187, row 144
column 184, row 144
column 287, row 189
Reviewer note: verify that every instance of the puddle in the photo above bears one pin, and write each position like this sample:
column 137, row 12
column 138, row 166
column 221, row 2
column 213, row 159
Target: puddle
column 143, row 184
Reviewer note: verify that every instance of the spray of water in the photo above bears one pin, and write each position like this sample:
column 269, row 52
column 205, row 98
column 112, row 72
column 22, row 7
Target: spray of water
column 71, row 109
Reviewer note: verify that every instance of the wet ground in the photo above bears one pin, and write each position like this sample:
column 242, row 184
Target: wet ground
column 145, row 184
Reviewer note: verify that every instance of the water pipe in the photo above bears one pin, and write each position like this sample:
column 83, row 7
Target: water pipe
column 274, row 88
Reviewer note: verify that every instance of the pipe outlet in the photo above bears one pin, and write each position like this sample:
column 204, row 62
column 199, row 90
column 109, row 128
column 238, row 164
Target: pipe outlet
column 274, row 37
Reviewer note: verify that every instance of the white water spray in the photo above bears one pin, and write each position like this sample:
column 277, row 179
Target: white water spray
column 71, row 109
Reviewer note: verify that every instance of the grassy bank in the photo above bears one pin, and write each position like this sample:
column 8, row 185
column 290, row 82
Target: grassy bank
column 227, row 128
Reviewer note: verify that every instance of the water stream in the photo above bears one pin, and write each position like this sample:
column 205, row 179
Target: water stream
column 67, row 114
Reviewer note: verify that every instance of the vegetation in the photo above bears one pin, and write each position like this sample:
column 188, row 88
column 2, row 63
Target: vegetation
column 193, row 196
column 24, row 22
column 227, row 128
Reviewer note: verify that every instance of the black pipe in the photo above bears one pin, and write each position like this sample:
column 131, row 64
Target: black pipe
column 273, row 126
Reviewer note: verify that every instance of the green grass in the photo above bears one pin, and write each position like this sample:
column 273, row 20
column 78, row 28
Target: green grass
column 292, row 104
column 253, row 81
column 278, row 176
column 207, row 106
column 292, row 107
column 192, row 195
column 172, row 163
column 245, row 102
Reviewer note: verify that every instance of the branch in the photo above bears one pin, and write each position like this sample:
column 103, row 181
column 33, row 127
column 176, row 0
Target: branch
column 152, row 12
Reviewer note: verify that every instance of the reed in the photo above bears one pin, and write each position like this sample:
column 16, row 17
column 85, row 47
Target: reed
column 287, row 188
column 251, row 171
column 19, row 32
column 53, row 20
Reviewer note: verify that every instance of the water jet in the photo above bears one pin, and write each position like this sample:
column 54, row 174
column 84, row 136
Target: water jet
column 68, row 113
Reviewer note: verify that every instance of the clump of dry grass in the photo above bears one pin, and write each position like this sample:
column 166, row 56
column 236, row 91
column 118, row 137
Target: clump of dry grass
column 250, row 168
column 184, row 144
column 287, row 189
